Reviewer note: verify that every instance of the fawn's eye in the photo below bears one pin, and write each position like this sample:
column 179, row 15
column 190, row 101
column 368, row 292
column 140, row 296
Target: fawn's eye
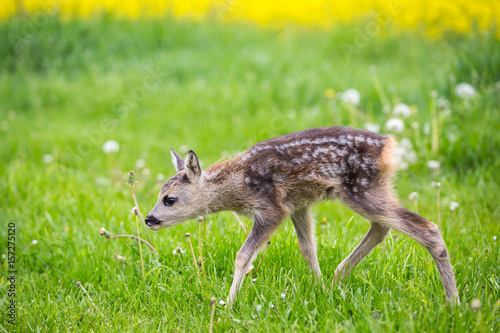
column 167, row 201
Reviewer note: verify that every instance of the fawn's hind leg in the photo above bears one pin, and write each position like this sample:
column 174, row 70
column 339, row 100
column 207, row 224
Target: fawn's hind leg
column 380, row 207
column 304, row 227
column 427, row 234
column 374, row 236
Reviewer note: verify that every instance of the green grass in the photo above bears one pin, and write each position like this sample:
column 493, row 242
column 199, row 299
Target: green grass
column 66, row 88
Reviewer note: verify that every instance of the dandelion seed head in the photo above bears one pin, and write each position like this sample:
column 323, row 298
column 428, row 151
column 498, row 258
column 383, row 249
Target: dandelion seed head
column 221, row 302
column 454, row 205
column 351, row 96
column 110, row 146
column 401, row 110
column 375, row 128
column 140, row 163
column 258, row 307
column 47, row 158
column 413, row 196
column 283, row 295
column 427, row 128
column 395, row 125
column 434, row 165
column 465, row 90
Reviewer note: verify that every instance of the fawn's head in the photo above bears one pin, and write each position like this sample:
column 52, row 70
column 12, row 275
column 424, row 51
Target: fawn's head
column 181, row 197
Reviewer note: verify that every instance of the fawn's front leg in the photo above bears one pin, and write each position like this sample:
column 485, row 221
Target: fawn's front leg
column 258, row 237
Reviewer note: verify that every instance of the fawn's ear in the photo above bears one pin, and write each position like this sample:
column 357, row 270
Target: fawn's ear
column 193, row 170
column 177, row 160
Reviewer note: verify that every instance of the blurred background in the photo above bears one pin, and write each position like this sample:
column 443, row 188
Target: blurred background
column 90, row 90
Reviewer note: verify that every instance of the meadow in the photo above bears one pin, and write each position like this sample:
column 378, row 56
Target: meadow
column 70, row 86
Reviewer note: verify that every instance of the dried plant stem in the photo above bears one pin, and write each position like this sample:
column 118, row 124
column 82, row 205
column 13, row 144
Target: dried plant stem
column 213, row 301
column 241, row 223
column 201, row 252
column 140, row 246
column 138, row 238
column 194, row 260
column 140, row 214
column 86, row 293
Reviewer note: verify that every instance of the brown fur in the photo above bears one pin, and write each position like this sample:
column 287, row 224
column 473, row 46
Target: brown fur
column 283, row 177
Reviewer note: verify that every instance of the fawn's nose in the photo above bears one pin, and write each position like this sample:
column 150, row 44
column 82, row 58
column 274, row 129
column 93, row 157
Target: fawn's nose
column 151, row 220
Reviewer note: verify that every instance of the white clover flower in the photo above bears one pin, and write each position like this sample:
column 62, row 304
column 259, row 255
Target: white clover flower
column 34, row 242
column 221, row 302
column 110, row 146
column 434, row 165
column 375, row 128
column 465, row 90
column 135, row 211
column 395, row 125
column 47, row 158
column 258, row 307
column 401, row 110
column 283, row 296
column 140, row 163
column 351, row 96
column 413, row 196
column 454, row 205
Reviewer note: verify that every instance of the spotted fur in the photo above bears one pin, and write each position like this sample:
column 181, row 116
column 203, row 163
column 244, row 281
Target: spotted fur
column 282, row 177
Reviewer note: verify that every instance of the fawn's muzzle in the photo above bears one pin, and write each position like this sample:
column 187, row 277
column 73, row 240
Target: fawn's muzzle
column 151, row 220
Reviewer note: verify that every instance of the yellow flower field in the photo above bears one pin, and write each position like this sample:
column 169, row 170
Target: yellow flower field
column 435, row 16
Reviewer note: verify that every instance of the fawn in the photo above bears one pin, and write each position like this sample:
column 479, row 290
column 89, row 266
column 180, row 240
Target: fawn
column 282, row 177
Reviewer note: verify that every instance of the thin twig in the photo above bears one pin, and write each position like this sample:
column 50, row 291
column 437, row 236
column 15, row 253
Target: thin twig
column 188, row 235
column 241, row 223
column 86, row 293
column 131, row 182
column 200, row 248
column 140, row 214
column 135, row 237
column 139, row 242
